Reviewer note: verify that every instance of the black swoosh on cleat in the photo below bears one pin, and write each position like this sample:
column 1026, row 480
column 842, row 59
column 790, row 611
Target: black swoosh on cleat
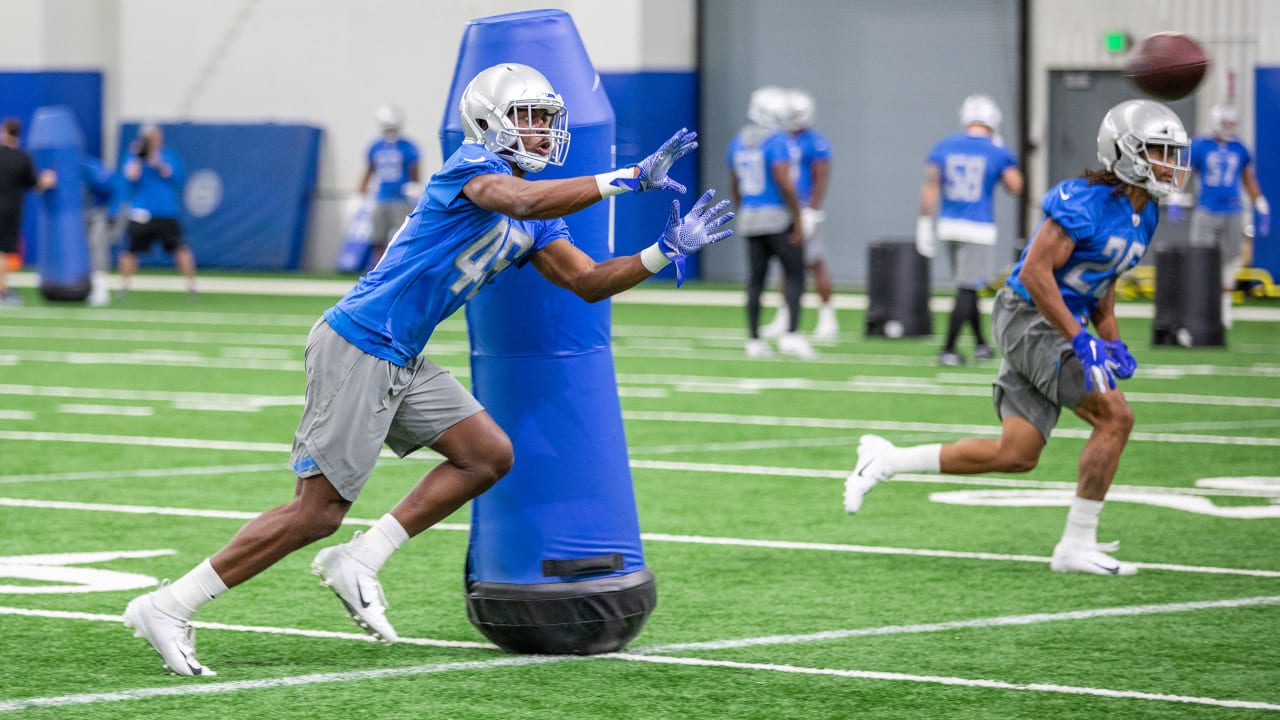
column 1110, row 570
column 365, row 603
column 865, row 465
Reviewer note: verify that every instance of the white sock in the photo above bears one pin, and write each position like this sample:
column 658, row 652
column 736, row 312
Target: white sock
column 921, row 458
column 1082, row 522
column 374, row 547
column 184, row 596
column 1226, row 310
column 783, row 317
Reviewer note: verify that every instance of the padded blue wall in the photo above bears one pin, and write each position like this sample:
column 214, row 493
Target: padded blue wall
column 247, row 194
column 1266, row 251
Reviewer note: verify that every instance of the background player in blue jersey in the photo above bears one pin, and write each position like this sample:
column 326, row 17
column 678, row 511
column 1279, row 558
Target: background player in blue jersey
column 811, row 161
column 392, row 170
column 1094, row 228
column 762, row 186
column 1224, row 167
column 368, row 384
column 963, row 169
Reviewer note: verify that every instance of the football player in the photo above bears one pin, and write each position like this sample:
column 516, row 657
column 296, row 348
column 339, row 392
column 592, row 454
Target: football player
column 1095, row 227
column 811, row 153
column 763, row 189
column 391, row 164
column 368, row 384
column 1223, row 165
column 963, row 169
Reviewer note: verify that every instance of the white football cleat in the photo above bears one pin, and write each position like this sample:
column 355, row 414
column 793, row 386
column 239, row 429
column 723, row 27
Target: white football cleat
column 873, row 468
column 758, row 348
column 172, row 637
column 358, row 588
column 796, row 346
column 828, row 328
column 1091, row 559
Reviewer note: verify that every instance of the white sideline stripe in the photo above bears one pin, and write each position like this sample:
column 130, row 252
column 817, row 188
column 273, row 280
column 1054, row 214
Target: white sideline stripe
column 17, row 415
column 944, row 680
column 655, row 537
column 1000, row 621
column 150, row 472
column 647, row 655
column 292, row 681
column 298, row 632
column 295, row 286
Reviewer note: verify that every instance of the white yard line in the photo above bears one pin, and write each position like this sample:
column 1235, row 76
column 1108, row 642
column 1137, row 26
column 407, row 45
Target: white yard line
column 651, row 655
column 144, row 472
column 649, row 537
column 954, row 681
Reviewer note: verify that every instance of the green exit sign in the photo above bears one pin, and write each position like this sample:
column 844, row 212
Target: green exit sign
column 1118, row 41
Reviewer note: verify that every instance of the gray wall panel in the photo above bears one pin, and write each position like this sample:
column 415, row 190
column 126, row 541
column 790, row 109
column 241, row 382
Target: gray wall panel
column 888, row 77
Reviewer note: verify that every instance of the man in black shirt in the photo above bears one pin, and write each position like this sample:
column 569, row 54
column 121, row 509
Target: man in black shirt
column 17, row 176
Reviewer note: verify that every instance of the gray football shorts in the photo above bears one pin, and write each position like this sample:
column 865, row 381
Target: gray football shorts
column 388, row 216
column 814, row 250
column 1225, row 232
column 1039, row 373
column 971, row 263
column 355, row 402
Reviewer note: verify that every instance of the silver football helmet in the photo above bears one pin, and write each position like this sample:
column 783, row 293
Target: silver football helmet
column 390, row 119
column 501, row 107
column 1223, row 120
column 1138, row 136
column 800, row 108
column 981, row 110
column 769, row 107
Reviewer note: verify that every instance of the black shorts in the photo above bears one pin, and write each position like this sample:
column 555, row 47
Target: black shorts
column 9, row 229
column 166, row 230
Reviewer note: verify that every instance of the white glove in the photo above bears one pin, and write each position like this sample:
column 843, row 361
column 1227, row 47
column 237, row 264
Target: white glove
column 411, row 191
column 926, row 241
column 810, row 218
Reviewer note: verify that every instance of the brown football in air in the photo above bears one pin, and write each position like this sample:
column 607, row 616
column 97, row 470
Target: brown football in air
column 1167, row 65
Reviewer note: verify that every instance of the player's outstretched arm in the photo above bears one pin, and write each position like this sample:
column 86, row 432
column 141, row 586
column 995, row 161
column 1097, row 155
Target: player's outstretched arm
column 568, row 267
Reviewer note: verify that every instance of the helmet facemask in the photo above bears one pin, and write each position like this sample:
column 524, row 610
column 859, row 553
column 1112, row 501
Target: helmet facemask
column 535, row 119
column 1140, row 161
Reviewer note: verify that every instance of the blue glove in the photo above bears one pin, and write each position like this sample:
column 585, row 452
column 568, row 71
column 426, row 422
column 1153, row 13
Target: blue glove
column 686, row 236
column 1174, row 213
column 653, row 169
column 1263, row 226
column 1093, row 356
column 1120, row 362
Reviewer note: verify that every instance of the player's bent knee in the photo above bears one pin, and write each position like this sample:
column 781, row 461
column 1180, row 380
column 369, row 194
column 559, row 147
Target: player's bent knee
column 1018, row 462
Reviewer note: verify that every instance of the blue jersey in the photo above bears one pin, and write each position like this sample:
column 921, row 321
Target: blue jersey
column 448, row 249
column 969, row 168
column 390, row 161
column 811, row 146
column 1219, row 164
column 1110, row 239
column 156, row 195
column 752, row 155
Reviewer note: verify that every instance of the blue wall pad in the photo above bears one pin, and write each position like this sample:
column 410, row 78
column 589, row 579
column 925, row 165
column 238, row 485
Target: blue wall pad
column 1266, row 251
column 247, row 194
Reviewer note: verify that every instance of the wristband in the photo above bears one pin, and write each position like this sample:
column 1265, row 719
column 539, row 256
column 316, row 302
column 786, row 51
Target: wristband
column 1262, row 206
column 604, row 182
column 653, row 258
